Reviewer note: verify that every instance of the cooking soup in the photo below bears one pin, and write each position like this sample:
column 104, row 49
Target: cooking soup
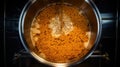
column 60, row 33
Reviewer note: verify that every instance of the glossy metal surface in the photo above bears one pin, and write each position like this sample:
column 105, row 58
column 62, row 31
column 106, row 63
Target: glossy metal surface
column 32, row 8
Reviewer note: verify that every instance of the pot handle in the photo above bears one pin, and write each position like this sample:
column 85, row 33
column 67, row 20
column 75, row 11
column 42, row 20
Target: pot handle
column 108, row 22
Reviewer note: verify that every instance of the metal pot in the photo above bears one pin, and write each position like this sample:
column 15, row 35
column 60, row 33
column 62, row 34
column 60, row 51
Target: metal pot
column 33, row 6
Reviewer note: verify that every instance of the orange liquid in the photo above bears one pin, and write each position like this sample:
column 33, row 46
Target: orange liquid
column 60, row 37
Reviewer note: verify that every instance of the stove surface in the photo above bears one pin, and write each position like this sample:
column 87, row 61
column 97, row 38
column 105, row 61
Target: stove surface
column 16, row 56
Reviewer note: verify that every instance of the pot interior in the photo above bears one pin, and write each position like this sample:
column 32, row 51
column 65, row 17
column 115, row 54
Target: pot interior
column 33, row 8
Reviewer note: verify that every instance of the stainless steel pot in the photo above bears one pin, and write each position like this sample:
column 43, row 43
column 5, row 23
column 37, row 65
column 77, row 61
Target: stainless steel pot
column 33, row 6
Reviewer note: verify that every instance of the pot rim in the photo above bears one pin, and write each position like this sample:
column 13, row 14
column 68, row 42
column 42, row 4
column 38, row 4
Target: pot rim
column 21, row 35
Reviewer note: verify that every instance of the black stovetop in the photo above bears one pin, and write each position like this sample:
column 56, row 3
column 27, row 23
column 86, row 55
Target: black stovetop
column 15, row 55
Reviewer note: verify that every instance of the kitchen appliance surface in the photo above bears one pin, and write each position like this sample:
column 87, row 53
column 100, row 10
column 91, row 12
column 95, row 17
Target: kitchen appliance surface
column 104, row 55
